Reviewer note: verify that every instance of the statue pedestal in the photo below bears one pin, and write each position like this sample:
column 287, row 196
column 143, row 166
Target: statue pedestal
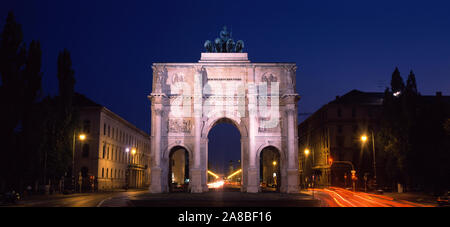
column 224, row 57
column 155, row 181
column 292, row 178
column 253, row 181
column 196, row 181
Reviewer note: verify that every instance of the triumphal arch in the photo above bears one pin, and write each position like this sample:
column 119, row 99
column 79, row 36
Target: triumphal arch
column 259, row 99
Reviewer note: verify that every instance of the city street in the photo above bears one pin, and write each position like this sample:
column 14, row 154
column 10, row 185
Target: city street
column 327, row 197
column 224, row 199
column 338, row 197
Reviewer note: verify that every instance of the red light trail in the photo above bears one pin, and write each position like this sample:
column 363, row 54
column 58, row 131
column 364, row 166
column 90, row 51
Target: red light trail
column 338, row 197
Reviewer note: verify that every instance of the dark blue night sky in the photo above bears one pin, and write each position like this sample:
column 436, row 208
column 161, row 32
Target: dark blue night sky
column 338, row 45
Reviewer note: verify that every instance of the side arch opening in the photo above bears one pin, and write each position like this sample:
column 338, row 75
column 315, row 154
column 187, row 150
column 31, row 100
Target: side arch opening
column 178, row 175
column 269, row 169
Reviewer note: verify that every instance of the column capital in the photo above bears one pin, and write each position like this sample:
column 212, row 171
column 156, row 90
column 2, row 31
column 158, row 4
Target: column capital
column 290, row 112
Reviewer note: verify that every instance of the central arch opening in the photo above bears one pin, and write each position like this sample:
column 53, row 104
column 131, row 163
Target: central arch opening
column 224, row 157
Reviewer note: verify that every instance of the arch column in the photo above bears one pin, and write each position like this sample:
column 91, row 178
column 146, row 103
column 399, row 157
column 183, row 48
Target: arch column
column 252, row 170
column 156, row 181
column 199, row 171
column 292, row 167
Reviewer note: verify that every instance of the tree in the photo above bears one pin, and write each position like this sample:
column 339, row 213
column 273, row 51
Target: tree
column 411, row 85
column 394, row 134
column 62, row 124
column 390, row 139
column 397, row 84
column 19, row 91
column 413, row 138
column 36, row 133
column 33, row 115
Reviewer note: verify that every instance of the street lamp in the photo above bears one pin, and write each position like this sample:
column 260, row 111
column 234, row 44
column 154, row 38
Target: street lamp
column 274, row 163
column 129, row 151
column 81, row 137
column 304, row 164
column 364, row 139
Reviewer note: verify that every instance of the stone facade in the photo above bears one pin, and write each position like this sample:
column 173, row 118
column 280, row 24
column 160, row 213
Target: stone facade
column 259, row 99
column 106, row 155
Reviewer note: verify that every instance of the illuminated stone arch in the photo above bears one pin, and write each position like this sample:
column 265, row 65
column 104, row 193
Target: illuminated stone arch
column 240, row 107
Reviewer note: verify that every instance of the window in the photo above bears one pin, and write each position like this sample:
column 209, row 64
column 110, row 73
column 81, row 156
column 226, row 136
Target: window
column 85, row 152
column 109, row 131
column 339, row 129
column 107, row 170
column 113, row 132
column 339, row 112
column 86, row 126
column 104, row 129
column 104, row 150
column 107, row 154
column 103, row 172
column 353, row 112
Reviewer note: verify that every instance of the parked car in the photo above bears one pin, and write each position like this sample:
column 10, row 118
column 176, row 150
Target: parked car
column 10, row 197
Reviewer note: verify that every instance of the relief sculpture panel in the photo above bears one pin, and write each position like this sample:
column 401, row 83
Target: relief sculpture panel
column 179, row 126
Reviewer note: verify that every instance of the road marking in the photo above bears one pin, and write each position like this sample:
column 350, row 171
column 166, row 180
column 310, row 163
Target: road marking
column 101, row 202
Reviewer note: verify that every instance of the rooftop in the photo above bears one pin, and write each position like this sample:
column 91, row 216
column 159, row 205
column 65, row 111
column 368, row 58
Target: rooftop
column 360, row 97
column 84, row 102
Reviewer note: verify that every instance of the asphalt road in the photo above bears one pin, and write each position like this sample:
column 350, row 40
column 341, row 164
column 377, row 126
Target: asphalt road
column 223, row 199
column 328, row 197
column 77, row 200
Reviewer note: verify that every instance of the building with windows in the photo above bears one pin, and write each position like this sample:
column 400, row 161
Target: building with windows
column 113, row 153
column 338, row 137
column 331, row 139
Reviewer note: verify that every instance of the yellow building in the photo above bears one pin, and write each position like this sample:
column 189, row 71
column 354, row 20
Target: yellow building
column 113, row 153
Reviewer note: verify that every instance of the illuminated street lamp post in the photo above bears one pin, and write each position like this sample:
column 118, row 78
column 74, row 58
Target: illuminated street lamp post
column 127, row 173
column 304, row 165
column 129, row 151
column 313, row 177
column 81, row 137
column 364, row 139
